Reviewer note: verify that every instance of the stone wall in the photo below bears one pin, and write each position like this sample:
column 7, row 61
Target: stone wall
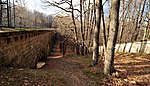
column 24, row 49
column 136, row 47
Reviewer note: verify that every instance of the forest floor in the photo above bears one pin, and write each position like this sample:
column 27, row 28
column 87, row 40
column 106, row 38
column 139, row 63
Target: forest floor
column 71, row 70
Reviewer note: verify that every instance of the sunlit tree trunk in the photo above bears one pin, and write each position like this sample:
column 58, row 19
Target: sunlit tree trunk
column 147, row 29
column 96, row 32
column 114, row 24
column 88, row 21
column 82, row 29
column 86, row 24
column 91, row 25
column 123, row 24
column 103, row 32
column 146, row 35
column 108, row 24
column 75, row 29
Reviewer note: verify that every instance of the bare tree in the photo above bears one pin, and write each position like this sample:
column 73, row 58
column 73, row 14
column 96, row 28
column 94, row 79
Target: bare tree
column 81, row 27
column 69, row 9
column 91, row 26
column 21, row 3
column 96, row 32
column 1, row 7
column 103, row 32
column 114, row 24
column 146, row 35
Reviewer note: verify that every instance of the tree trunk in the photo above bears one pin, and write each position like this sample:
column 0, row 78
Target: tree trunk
column 75, row 30
column 104, row 33
column 1, row 7
column 122, row 26
column 96, row 32
column 82, row 31
column 108, row 25
column 86, row 24
column 114, row 24
column 91, row 24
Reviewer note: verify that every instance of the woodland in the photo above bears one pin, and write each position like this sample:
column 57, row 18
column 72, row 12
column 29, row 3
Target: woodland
column 103, row 23
column 89, row 24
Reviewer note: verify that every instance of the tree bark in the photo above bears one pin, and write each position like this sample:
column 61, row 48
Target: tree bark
column 114, row 24
column 82, row 31
column 91, row 24
column 75, row 29
column 96, row 32
column 104, row 32
column 123, row 24
column 1, row 7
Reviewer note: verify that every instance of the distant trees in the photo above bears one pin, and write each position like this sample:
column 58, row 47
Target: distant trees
column 133, row 20
column 27, row 18
column 20, row 16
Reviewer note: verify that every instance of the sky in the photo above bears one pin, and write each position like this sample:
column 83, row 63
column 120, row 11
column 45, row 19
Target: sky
column 40, row 6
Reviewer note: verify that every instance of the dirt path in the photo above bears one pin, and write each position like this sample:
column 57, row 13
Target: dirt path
column 71, row 70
